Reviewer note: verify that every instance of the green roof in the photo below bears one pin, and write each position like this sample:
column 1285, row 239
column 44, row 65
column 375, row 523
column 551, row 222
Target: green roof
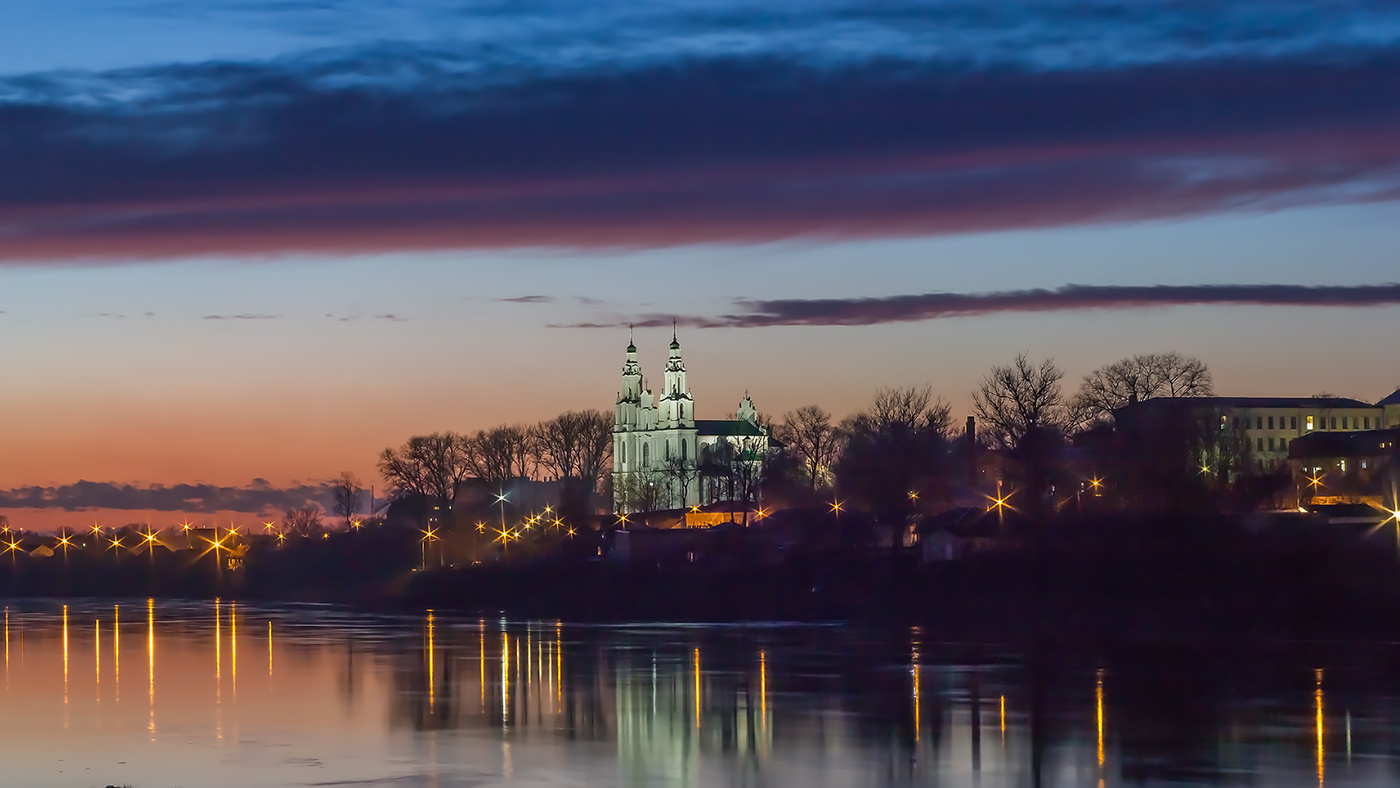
column 726, row 427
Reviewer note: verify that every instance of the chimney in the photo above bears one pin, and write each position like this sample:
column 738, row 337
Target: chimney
column 971, row 452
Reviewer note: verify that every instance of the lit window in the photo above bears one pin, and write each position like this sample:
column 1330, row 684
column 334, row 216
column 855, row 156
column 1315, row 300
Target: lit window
column 1310, row 423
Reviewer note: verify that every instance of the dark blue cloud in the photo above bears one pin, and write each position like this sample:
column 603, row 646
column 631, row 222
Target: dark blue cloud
column 423, row 146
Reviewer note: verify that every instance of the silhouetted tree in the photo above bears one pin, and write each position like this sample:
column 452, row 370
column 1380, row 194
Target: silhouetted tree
column 1015, row 399
column 305, row 521
column 502, row 453
column 812, row 440
column 891, row 449
column 574, row 444
column 347, row 497
column 1022, row 411
column 1141, row 377
column 432, row 466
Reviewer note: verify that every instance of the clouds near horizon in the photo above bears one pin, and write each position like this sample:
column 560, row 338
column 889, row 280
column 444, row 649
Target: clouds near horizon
column 421, row 146
column 257, row 497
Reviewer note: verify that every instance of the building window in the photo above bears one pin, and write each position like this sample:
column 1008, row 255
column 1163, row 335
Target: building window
column 646, row 455
column 1271, row 422
column 1310, row 424
column 684, row 444
column 1271, row 443
column 1334, row 422
column 1258, row 422
column 1293, row 422
column 1261, row 444
column 1367, row 421
column 1345, row 424
column 624, row 454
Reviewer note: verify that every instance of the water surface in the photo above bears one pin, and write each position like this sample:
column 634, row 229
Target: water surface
column 221, row 694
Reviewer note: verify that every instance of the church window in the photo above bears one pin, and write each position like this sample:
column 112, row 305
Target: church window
column 683, row 451
column 624, row 454
column 646, row 455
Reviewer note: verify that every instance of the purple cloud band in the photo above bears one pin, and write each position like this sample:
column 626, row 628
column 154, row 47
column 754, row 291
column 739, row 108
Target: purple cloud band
column 294, row 156
column 932, row 306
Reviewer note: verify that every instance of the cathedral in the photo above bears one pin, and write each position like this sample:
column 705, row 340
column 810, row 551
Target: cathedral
column 665, row 458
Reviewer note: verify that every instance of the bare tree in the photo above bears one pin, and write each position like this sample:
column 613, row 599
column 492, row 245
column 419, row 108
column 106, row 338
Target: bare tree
column 502, row 453
column 1138, row 378
column 681, row 473
column 893, row 448
column 347, row 497
column 643, row 491
column 812, row 438
column 738, row 467
column 305, row 521
column 432, row 466
column 574, row 445
column 1014, row 400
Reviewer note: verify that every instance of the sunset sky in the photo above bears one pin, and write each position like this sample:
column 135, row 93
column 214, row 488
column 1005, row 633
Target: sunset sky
column 247, row 240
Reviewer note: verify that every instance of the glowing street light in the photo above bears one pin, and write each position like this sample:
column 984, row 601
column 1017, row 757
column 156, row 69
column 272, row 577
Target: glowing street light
column 836, row 507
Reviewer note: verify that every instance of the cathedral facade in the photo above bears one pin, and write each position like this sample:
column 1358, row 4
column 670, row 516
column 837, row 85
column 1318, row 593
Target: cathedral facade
column 665, row 458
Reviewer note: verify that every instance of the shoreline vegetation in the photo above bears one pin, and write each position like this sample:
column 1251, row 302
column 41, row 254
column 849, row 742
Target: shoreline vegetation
column 1072, row 577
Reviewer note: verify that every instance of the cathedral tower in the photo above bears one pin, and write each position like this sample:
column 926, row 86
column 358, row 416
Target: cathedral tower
column 677, row 406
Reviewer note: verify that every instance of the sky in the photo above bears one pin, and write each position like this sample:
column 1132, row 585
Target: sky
column 248, row 244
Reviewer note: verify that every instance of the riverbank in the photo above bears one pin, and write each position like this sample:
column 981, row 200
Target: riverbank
column 1072, row 579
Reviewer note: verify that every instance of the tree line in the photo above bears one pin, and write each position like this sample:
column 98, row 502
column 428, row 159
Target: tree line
column 574, row 446
column 880, row 457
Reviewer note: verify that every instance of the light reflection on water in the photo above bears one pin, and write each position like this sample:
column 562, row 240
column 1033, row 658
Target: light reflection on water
column 438, row 700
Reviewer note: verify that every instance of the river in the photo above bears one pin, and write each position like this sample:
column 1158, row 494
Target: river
column 158, row 694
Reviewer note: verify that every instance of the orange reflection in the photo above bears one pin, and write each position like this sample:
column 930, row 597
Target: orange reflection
column 97, row 654
column 233, row 647
column 1321, row 751
column 1003, row 719
column 763, row 687
column 505, row 679
column 151, row 665
column 1098, row 708
column 65, row 655
column 116, row 653
column 697, row 688
column 432, row 673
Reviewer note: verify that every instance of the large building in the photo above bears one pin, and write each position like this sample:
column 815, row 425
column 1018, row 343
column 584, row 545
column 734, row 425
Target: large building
column 1269, row 425
column 663, row 457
